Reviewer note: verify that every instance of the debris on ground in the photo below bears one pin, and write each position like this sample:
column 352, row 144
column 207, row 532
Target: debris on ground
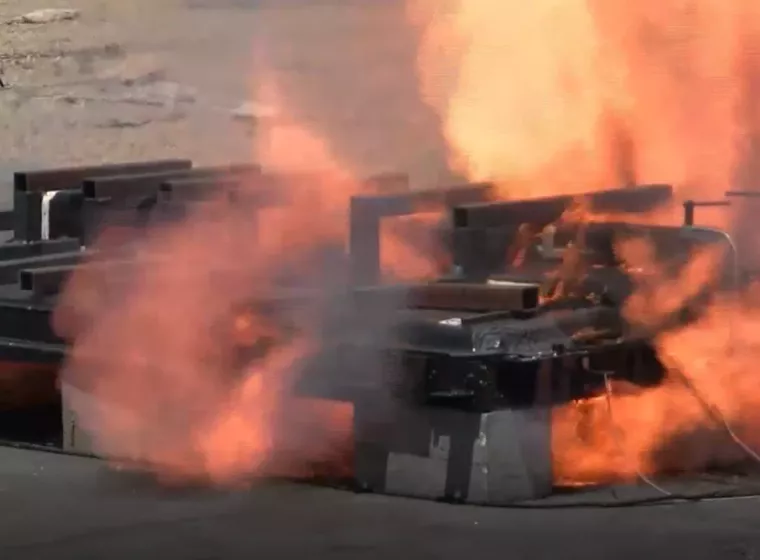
column 136, row 70
column 47, row 15
column 160, row 94
column 252, row 111
column 124, row 123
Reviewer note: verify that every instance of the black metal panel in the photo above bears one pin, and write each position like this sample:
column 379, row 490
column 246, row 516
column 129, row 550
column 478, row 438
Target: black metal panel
column 26, row 321
column 20, row 351
column 543, row 211
column 366, row 213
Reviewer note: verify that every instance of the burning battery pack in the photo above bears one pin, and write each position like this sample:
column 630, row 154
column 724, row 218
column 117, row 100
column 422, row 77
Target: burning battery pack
column 458, row 406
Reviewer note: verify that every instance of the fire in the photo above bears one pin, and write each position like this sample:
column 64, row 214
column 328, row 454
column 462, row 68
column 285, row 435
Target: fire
column 542, row 97
column 523, row 104
column 566, row 96
column 195, row 371
column 410, row 248
column 559, row 97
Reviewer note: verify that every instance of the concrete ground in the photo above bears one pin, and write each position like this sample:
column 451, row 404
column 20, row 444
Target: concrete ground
column 66, row 507
column 141, row 79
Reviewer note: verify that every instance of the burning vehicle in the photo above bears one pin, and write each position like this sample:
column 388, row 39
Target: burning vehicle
column 441, row 385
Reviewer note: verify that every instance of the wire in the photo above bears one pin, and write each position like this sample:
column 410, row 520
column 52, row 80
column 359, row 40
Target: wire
column 716, row 415
column 616, row 431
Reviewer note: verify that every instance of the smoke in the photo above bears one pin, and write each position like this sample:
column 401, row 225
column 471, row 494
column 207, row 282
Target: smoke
column 554, row 97
column 199, row 367
column 206, row 350
column 349, row 73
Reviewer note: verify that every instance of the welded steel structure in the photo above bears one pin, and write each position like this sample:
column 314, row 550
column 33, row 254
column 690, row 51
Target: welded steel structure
column 493, row 332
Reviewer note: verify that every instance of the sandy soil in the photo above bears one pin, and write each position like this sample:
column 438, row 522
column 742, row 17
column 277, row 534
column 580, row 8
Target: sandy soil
column 146, row 79
column 67, row 80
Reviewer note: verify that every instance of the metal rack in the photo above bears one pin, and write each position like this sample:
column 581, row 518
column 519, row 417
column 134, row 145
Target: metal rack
column 456, row 370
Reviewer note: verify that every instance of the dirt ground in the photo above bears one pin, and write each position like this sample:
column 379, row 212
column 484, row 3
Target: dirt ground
column 146, row 79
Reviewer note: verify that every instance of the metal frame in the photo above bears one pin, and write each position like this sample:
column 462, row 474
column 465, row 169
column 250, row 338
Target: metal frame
column 29, row 188
column 367, row 212
column 480, row 298
column 481, row 230
column 28, row 321
column 22, row 250
column 142, row 184
column 7, row 220
column 689, row 207
column 10, row 269
column 546, row 210
column 44, row 281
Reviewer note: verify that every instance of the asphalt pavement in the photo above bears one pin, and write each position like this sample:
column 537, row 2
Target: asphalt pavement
column 57, row 506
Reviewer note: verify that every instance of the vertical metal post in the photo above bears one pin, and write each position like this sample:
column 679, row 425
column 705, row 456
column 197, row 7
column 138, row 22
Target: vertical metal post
column 27, row 210
column 364, row 242
column 688, row 213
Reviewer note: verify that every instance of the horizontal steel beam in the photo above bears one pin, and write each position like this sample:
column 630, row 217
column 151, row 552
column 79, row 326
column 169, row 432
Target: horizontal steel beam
column 543, row 211
column 193, row 188
column 9, row 270
column 689, row 207
column 22, row 320
column 748, row 194
column 70, row 177
column 48, row 280
column 367, row 211
column 25, row 249
column 401, row 204
column 44, row 281
column 30, row 188
column 451, row 296
column 140, row 184
column 25, row 351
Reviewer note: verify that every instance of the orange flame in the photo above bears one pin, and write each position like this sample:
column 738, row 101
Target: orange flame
column 541, row 97
column 161, row 351
column 548, row 97
column 552, row 97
